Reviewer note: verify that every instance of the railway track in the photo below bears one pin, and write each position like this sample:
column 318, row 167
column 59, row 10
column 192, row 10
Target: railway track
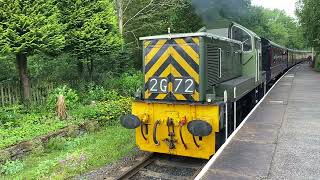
column 164, row 167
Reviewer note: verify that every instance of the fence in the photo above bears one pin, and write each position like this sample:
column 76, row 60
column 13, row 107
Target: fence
column 11, row 93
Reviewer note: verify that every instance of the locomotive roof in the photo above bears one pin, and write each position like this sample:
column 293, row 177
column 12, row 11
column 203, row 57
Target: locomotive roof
column 274, row 44
column 197, row 34
column 300, row 51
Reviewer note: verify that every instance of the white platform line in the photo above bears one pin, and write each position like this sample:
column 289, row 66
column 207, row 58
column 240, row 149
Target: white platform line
column 217, row 154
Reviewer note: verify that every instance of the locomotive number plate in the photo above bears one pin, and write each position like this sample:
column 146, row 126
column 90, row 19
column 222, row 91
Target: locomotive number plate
column 183, row 85
column 158, row 85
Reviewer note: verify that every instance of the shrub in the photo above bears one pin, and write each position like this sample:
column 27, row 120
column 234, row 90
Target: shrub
column 11, row 167
column 129, row 82
column 317, row 63
column 70, row 95
column 10, row 115
column 99, row 93
column 57, row 143
column 106, row 112
column 111, row 111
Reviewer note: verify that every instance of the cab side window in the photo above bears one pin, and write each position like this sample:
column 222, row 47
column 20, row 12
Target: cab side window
column 242, row 36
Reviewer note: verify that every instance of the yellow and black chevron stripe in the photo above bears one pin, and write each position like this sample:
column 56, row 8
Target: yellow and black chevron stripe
column 172, row 58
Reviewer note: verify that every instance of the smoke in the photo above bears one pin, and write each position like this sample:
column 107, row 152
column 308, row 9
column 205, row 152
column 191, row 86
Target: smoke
column 213, row 10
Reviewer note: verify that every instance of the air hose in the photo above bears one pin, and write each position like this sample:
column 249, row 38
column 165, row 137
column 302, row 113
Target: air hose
column 195, row 141
column 181, row 137
column 156, row 142
column 142, row 133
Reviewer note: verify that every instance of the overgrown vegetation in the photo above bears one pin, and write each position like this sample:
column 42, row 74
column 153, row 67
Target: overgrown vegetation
column 67, row 157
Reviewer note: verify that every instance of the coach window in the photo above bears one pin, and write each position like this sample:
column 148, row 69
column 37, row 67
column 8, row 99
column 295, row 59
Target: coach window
column 242, row 36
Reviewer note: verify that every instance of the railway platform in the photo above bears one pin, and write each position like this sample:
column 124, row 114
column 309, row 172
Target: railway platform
column 280, row 139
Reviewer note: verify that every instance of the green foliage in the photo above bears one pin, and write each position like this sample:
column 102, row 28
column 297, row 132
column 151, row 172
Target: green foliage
column 91, row 32
column 106, row 112
column 57, row 143
column 29, row 26
column 276, row 26
column 128, row 83
column 309, row 17
column 99, row 93
column 317, row 63
column 70, row 95
column 7, row 68
column 72, row 156
column 29, row 126
column 10, row 115
column 11, row 167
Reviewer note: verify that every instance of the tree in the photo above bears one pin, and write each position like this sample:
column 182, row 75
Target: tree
column 309, row 18
column 28, row 27
column 90, row 31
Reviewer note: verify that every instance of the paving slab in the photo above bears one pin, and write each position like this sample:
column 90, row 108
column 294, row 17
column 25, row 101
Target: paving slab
column 281, row 139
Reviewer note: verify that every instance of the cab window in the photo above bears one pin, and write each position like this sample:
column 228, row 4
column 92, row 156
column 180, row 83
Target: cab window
column 242, row 36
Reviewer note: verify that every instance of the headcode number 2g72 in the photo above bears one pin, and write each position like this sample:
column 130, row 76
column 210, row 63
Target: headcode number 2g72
column 180, row 85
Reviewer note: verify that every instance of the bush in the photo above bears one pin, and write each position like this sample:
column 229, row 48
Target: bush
column 111, row 111
column 29, row 126
column 129, row 83
column 106, row 112
column 70, row 95
column 58, row 143
column 317, row 63
column 126, row 84
column 11, row 167
column 10, row 115
column 99, row 93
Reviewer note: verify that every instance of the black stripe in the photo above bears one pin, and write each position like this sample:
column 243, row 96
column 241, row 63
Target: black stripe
column 188, row 97
column 188, row 40
column 154, row 95
column 187, row 58
column 163, row 67
column 149, row 47
column 181, row 70
column 156, row 57
column 171, row 77
column 192, row 44
column 173, row 97
column 195, row 47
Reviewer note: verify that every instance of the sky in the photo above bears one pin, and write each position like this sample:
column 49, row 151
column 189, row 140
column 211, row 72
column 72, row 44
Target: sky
column 287, row 5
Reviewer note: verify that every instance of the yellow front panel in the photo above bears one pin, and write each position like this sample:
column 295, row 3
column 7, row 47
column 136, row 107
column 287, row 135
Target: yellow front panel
column 173, row 58
column 149, row 113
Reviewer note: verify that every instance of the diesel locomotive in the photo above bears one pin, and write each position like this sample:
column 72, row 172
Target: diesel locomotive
column 198, row 87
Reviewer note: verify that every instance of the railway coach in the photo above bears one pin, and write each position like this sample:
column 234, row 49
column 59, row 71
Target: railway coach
column 197, row 89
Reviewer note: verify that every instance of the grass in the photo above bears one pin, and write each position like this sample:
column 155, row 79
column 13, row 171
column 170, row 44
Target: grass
column 64, row 158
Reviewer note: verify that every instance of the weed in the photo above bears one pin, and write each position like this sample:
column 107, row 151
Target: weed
column 11, row 167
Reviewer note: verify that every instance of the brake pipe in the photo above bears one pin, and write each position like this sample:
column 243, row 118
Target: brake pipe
column 181, row 124
column 195, row 141
column 142, row 133
column 156, row 142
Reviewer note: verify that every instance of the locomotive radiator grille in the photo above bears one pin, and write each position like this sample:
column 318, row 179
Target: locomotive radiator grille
column 213, row 65
column 170, row 59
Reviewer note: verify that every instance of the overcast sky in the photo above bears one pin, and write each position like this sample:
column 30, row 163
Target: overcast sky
column 286, row 5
